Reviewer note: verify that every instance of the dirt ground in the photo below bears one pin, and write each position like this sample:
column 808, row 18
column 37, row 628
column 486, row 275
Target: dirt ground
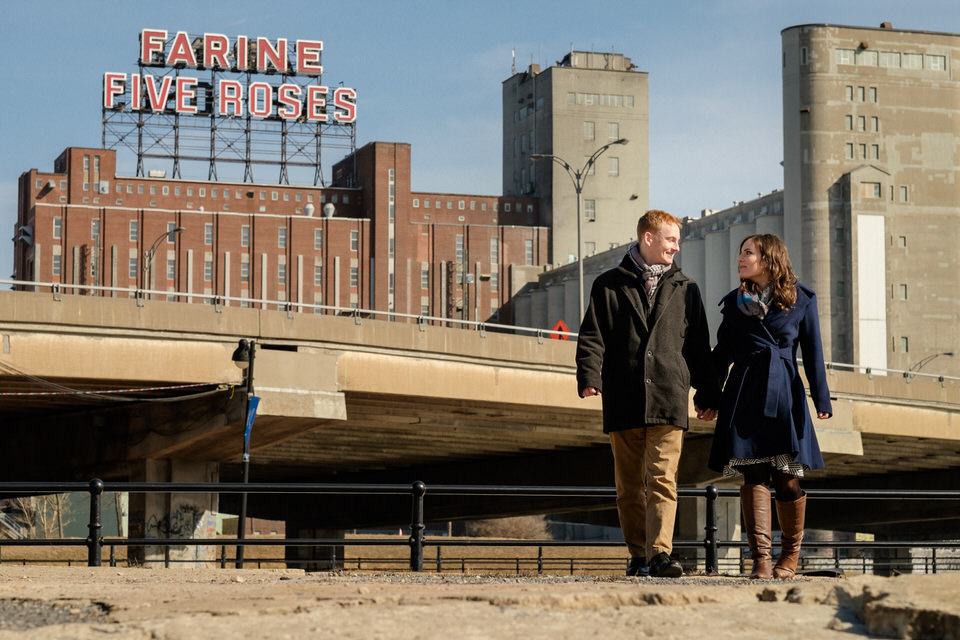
column 165, row 604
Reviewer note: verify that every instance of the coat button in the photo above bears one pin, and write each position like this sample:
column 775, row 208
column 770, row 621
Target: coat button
column 649, row 354
column 649, row 381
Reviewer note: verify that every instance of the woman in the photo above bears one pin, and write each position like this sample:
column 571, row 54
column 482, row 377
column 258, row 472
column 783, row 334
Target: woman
column 764, row 430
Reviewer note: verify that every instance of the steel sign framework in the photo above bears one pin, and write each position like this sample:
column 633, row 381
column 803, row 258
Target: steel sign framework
column 186, row 105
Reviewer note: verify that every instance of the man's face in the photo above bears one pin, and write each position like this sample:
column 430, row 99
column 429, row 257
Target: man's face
column 659, row 247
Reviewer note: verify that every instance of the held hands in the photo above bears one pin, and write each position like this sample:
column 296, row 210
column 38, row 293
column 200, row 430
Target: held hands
column 823, row 415
column 589, row 391
column 705, row 414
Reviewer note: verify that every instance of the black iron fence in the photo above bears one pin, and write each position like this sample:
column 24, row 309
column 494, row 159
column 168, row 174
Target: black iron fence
column 417, row 541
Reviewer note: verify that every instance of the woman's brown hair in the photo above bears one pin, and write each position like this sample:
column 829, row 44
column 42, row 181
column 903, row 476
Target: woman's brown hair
column 776, row 260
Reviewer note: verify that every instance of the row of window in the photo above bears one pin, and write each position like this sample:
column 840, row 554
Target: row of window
column 891, row 59
column 590, row 130
column 462, row 205
column 861, row 122
column 861, row 93
column 875, row 190
column 600, row 99
column 134, row 234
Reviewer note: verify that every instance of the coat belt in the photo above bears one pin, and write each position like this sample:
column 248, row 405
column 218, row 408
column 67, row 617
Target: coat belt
column 778, row 381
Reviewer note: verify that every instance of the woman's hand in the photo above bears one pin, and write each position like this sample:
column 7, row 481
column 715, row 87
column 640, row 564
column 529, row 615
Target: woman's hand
column 823, row 415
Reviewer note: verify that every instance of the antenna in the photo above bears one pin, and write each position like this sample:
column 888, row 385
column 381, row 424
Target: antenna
column 513, row 63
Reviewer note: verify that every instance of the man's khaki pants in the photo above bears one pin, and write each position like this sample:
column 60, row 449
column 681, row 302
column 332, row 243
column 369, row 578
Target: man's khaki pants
column 645, row 469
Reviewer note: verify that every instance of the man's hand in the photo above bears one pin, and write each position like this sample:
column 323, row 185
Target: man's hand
column 589, row 391
column 705, row 414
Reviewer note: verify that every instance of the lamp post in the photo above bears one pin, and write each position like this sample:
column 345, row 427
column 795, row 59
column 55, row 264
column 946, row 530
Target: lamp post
column 579, row 177
column 148, row 255
column 243, row 357
column 919, row 364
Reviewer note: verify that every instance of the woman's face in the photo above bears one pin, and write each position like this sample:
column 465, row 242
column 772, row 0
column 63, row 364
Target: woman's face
column 750, row 266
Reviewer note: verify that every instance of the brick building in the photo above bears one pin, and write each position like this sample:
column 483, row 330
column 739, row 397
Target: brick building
column 367, row 241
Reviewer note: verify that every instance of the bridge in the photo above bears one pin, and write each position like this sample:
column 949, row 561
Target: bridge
column 128, row 389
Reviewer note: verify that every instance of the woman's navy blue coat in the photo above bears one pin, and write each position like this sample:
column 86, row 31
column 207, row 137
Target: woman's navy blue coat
column 763, row 410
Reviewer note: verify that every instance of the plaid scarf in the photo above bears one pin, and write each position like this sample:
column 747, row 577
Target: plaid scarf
column 649, row 273
column 754, row 303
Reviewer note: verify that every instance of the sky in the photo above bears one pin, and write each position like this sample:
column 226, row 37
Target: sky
column 429, row 73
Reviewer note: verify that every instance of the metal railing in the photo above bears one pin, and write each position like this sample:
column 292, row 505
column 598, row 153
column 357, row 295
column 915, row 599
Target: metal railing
column 418, row 541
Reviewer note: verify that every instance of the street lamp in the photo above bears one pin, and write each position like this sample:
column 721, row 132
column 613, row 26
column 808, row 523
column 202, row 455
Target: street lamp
column 919, row 364
column 148, row 255
column 579, row 177
column 243, row 357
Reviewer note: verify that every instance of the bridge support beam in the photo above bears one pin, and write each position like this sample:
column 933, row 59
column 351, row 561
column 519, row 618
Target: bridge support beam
column 329, row 558
column 174, row 515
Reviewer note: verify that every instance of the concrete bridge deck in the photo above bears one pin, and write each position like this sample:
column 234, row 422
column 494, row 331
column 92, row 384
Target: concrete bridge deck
column 369, row 400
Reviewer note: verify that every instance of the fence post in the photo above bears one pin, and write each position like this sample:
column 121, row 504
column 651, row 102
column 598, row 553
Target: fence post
column 710, row 543
column 418, row 489
column 94, row 539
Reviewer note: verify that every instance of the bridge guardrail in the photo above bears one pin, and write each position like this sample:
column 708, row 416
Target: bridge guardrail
column 417, row 491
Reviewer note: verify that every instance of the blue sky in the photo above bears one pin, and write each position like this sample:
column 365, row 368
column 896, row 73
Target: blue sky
column 429, row 73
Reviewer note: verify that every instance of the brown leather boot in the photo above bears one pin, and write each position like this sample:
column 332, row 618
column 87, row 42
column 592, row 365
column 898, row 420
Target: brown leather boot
column 791, row 515
column 755, row 503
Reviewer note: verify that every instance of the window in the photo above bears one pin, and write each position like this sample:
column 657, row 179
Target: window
column 867, row 57
column 845, row 56
column 354, row 277
column 904, row 194
column 528, row 251
column 850, row 92
column 424, row 275
column 318, row 275
column 873, row 94
column 416, row 203
column 86, row 173
column 273, row 196
column 862, row 123
column 903, row 291
column 134, row 230
column 354, row 241
column 613, row 130
column 494, row 278
column 870, row 190
column 171, row 236
column 591, row 167
column 459, row 249
column 613, row 166
column 131, row 268
column 848, row 151
column 889, row 59
column 318, row 239
column 875, row 151
column 494, row 251
column 94, row 229
column 849, row 120
column 936, row 63
column 282, row 238
column 208, row 233
column 171, row 269
column 281, row 274
column 55, row 267
column 590, row 210
column 861, row 94
column 913, row 61
column 589, row 130
column 461, row 205
column 590, row 248
column 904, row 344
column 449, row 204
column 902, row 242
column 863, row 152
column 803, row 55
column 208, row 270
column 874, row 124
column 245, row 235
column 245, row 272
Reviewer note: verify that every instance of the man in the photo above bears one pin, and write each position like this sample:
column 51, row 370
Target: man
column 643, row 341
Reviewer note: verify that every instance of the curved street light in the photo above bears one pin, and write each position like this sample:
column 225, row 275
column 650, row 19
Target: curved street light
column 148, row 255
column 919, row 364
column 578, row 177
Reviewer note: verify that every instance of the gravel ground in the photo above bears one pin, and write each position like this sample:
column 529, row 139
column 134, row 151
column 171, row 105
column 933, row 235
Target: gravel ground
column 80, row 603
